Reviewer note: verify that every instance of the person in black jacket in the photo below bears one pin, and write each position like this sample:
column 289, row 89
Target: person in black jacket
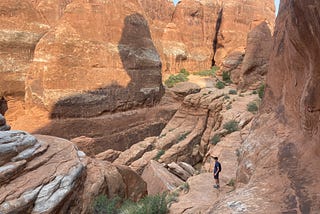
column 216, row 171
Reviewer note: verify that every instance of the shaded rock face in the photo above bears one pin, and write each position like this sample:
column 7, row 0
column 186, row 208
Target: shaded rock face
column 3, row 105
column 43, row 174
column 285, row 137
column 255, row 63
column 3, row 124
column 83, row 65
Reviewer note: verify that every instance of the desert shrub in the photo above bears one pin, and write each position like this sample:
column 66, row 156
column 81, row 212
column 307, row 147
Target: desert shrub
column 159, row 154
column 261, row 91
column 220, row 85
column 226, row 97
column 156, row 204
column 232, row 91
column 226, row 77
column 184, row 187
column 229, row 106
column 103, row 205
column 183, row 136
column 215, row 139
column 173, row 79
column 231, row 183
column 231, row 126
column 210, row 72
column 184, row 71
column 252, row 107
column 254, row 92
column 150, row 204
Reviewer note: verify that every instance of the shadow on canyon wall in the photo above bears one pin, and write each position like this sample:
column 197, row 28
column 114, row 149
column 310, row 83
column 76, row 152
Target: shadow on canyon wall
column 142, row 63
column 78, row 115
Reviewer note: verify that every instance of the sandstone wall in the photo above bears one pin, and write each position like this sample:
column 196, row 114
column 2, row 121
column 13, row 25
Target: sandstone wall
column 92, row 62
column 21, row 27
column 201, row 33
column 279, row 159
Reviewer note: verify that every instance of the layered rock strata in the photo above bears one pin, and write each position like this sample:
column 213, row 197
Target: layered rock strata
column 80, row 69
column 279, row 161
column 43, row 174
column 21, row 28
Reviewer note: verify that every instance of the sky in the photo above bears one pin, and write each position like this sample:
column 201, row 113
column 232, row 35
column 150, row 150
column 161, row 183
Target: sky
column 276, row 2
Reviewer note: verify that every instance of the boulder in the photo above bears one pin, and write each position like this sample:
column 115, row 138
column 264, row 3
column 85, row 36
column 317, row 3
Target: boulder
column 178, row 171
column 159, row 179
column 85, row 144
column 183, row 89
column 43, row 174
column 135, row 152
column 140, row 164
column 109, row 155
column 256, row 60
column 187, row 167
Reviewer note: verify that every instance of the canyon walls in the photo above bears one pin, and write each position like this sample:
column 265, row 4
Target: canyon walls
column 279, row 160
column 92, row 63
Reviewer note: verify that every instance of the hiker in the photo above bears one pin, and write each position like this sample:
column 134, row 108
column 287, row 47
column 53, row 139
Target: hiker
column 3, row 105
column 216, row 171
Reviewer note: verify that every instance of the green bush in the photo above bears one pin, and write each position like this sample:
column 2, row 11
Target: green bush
column 231, row 183
column 183, row 136
column 184, row 71
column 173, row 79
column 229, row 106
column 252, row 107
column 220, row 85
column 233, row 91
column 149, row 205
column 216, row 139
column 159, row 154
column 261, row 91
column 254, row 92
column 226, row 97
column 231, row 126
column 103, row 205
column 210, row 72
column 226, row 77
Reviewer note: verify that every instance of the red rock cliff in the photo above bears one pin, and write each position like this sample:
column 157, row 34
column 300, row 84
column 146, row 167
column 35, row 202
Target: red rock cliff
column 279, row 162
column 93, row 62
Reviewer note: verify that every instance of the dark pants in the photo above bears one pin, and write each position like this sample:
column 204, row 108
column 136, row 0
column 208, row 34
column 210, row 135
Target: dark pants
column 216, row 176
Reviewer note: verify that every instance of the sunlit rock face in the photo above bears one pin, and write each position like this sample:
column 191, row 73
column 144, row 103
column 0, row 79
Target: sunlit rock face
column 21, row 27
column 44, row 174
column 279, row 160
column 198, row 34
column 92, row 62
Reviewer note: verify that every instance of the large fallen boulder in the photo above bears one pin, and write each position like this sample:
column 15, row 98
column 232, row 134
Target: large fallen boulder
column 44, row 174
column 159, row 179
